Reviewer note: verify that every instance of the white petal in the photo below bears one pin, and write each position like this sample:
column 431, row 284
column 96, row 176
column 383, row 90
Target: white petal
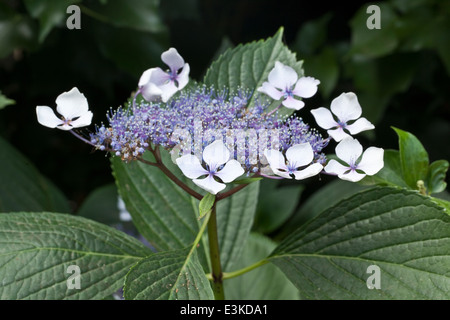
column 209, row 184
column 292, row 103
column 371, row 161
column 276, row 160
column 359, row 125
column 306, row 87
column 338, row 134
column 216, row 154
column 145, row 77
column 190, row 166
column 352, row 176
column 151, row 92
column 282, row 77
column 309, row 171
column 324, row 118
column 230, row 171
column 300, row 155
column 346, row 107
column 173, row 59
column 83, row 120
column 71, row 104
column 349, row 150
column 159, row 77
column 335, row 167
column 168, row 90
column 183, row 77
column 283, row 174
column 46, row 116
column 271, row 91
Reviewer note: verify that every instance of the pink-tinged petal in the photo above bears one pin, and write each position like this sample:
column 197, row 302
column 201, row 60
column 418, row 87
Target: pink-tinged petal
column 335, row 167
column 276, row 160
column 168, row 90
column 349, row 150
column 46, row 116
column 190, row 166
column 352, row 176
column 282, row 77
column 151, row 92
column 83, row 120
column 72, row 104
column 183, row 77
column 362, row 124
column 209, row 184
column 309, row 171
column 324, row 118
column 293, row 103
column 230, row 171
column 145, row 77
column 371, row 161
column 300, row 155
column 173, row 59
column 271, row 91
column 216, row 154
column 306, row 87
column 159, row 77
column 338, row 134
column 346, row 107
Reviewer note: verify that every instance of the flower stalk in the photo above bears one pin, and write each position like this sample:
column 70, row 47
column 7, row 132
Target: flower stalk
column 214, row 253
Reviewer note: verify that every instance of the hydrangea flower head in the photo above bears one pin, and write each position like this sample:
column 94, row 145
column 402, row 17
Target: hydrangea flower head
column 73, row 108
column 357, row 164
column 218, row 164
column 348, row 111
column 284, row 84
column 156, row 83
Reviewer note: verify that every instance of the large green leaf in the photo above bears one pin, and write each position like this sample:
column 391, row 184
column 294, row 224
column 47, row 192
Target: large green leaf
column 248, row 66
column 263, row 283
column 402, row 232
column 235, row 217
column 172, row 275
column 23, row 188
column 36, row 250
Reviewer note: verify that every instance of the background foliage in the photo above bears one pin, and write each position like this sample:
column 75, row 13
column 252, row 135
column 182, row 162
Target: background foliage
column 400, row 74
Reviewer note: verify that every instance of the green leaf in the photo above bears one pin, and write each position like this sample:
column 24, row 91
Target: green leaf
column 402, row 232
column 4, row 101
column 248, row 65
column 36, row 250
column 246, row 180
column 23, row 188
column 172, row 275
column 50, row 13
column 263, row 283
column 162, row 212
column 101, row 205
column 436, row 176
column 235, row 216
column 391, row 174
column 206, row 204
column 275, row 205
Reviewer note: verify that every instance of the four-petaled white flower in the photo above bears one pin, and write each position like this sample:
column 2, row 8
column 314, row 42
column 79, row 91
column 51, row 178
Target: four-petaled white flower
column 284, row 83
column 72, row 106
column 298, row 156
column 346, row 108
column 349, row 150
column 218, row 164
column 156, row 83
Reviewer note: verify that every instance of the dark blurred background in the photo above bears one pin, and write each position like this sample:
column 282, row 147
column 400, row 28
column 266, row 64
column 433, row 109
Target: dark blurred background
column 400, row 72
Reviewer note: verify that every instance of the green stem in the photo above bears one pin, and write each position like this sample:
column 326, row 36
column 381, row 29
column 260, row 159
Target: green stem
column 214, row 253
column 229, row 275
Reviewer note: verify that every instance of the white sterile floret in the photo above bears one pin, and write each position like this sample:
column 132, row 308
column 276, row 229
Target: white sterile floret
column 298, row 156
column 284, row 84
column 72, row 106
column 215, row 156
column 156, row 83
column 356, row 167
column 346, row 108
